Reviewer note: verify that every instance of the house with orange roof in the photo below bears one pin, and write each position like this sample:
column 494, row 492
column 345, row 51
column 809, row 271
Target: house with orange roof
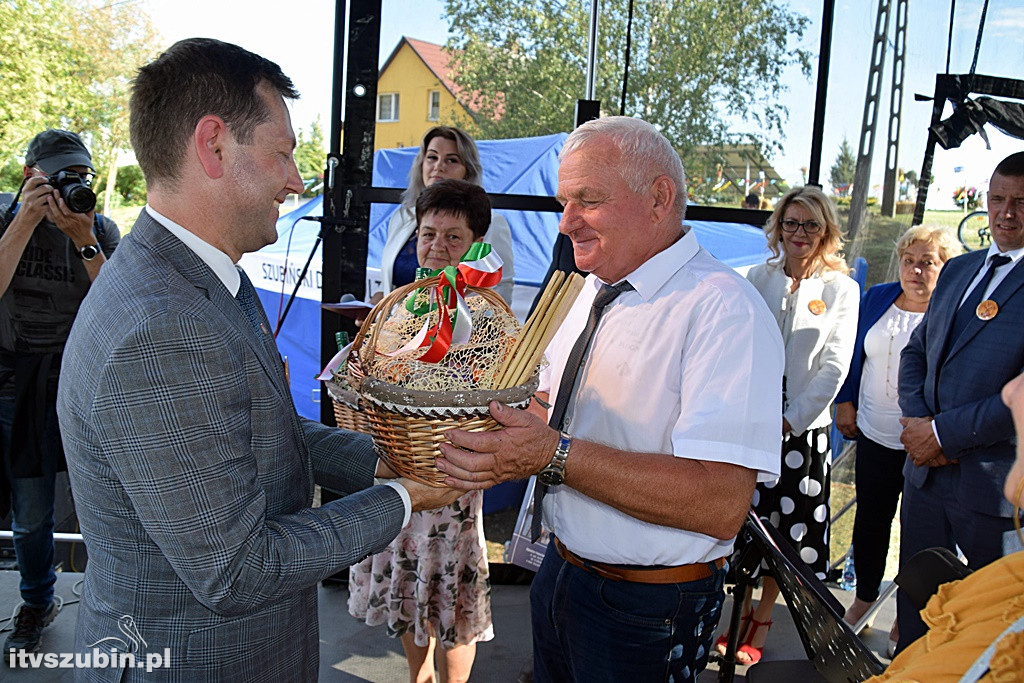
column 414, row 92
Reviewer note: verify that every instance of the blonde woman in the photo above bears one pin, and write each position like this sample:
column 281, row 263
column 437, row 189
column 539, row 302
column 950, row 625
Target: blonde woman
column 445, row 152
column 806, row 287
column 867, row 407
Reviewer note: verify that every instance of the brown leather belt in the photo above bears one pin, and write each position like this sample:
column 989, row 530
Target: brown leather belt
column 681, row 574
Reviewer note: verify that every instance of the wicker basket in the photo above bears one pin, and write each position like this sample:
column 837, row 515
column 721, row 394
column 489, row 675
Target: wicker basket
column 408, row 425
column 348, row 410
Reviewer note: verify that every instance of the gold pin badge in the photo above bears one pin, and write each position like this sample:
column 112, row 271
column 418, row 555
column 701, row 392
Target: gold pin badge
column 816, row 306
column 987, row 310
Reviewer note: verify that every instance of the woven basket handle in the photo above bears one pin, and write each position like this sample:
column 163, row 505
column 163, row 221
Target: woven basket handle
column 382, row 310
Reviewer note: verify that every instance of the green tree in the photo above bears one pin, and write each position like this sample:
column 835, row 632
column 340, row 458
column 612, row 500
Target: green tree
column 38, row 68
column 130, row 189
column 67, row 64
column 700, row 71
column 10, row 175
column 311, row 156
column 843, row 170
column 121, row 38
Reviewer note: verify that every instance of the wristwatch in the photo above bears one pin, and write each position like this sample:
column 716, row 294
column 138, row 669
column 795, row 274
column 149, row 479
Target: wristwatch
column 88, row 252
column 553, row 473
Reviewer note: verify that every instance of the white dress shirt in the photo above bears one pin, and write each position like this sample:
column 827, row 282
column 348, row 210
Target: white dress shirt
column 997, row 277
column 221, row 265
column 688, row 364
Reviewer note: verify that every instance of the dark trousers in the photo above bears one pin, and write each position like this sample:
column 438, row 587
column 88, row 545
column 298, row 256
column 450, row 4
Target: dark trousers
column 590, row 629
column 879, row 482
column 932, row 517
column 32, row 500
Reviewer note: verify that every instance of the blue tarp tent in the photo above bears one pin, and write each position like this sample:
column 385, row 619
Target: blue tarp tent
column 522, row 166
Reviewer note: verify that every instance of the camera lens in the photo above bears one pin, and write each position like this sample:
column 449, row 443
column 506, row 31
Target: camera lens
column 78, row 197
column 73, row 190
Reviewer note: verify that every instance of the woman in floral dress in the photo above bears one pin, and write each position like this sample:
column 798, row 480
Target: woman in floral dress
column 431, row 586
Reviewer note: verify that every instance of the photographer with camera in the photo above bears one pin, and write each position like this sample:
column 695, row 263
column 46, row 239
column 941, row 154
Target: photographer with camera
column 52, row 245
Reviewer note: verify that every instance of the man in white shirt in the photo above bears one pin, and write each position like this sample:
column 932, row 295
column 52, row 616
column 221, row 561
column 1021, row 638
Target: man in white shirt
column 192, row 473
column 957, row 431
column 658, row 440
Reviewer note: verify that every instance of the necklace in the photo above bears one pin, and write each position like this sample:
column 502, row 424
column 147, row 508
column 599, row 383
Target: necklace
column 896, row 324
column 891, row 392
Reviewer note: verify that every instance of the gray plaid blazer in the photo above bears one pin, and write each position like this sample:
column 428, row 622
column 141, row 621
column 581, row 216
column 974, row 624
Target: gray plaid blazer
column 193, row 476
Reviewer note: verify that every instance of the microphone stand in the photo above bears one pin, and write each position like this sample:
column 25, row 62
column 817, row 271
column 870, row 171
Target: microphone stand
column 322, row 220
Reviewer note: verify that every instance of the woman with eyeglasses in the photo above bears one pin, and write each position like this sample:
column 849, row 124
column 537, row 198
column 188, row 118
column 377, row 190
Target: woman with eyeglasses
column 806, row 286
column 867, row 407
column 445, row 152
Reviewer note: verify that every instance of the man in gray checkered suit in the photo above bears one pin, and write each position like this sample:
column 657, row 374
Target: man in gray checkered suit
column 192, row 473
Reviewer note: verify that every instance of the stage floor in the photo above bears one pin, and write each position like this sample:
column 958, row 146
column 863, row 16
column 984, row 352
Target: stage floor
column 351, row 652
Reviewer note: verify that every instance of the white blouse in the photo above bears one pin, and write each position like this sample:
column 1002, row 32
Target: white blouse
column 878, row 410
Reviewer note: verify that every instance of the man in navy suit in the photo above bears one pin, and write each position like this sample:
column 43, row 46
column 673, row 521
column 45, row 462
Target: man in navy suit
column 957, row 431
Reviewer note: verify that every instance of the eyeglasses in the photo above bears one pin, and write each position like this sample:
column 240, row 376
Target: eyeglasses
column 810, row 227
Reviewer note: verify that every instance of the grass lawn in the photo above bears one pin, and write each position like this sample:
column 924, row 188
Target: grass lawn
column 877, row 239
column 125, row 217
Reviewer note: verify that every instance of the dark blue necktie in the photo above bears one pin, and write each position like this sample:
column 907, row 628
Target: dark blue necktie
column 250, row 306
column 968, row 310
column 606, row 295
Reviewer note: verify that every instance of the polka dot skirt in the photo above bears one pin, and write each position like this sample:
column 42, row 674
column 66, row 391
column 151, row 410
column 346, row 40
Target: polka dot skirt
column 797, row 504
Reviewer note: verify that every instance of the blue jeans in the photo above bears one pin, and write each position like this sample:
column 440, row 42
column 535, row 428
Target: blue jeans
column 32, row 512
column 586, row 628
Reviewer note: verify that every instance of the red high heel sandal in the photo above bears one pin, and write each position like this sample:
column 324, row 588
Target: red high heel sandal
column 722, row 642
column 754, row 653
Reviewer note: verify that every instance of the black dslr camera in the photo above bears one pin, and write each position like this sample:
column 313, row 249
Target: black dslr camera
column 74, row 189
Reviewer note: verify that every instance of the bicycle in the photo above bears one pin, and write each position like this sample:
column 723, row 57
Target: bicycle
column 974, row 232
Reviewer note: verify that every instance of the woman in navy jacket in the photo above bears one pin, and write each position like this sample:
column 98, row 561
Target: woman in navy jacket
column 867, row 405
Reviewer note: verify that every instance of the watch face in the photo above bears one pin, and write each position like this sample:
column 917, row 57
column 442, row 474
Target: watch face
column 550, row 477
column 88, row 252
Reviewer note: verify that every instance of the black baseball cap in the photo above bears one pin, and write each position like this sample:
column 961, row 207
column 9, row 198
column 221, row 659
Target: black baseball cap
column 54, row 150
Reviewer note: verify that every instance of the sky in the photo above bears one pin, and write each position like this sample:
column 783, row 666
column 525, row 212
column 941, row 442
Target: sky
column 302, row 43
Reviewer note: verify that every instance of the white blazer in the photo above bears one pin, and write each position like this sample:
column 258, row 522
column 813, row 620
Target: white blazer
column 819, row 345
column 403, row 224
